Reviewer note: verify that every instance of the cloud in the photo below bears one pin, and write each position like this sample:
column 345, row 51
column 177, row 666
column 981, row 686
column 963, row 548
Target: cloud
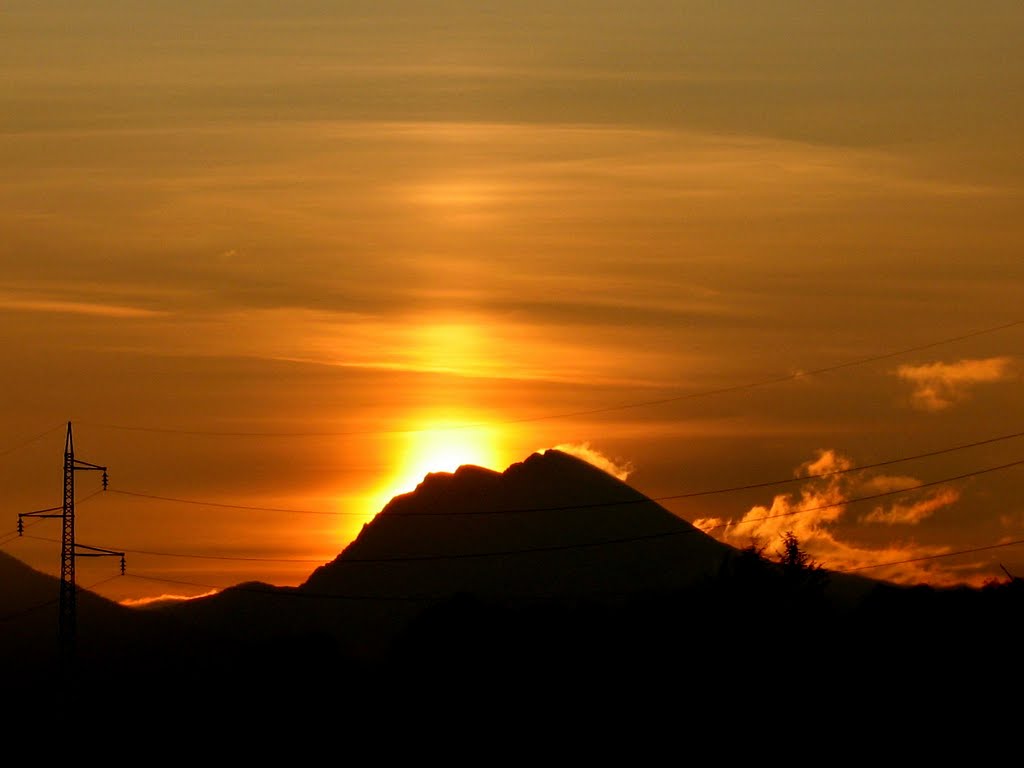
column 938, row 386
column 828, row 462
column 76, row 308
column 147, row 602
column 593, row 456
column 915, row 512
column 888, row 483
column 820, row 501
column 814, row 511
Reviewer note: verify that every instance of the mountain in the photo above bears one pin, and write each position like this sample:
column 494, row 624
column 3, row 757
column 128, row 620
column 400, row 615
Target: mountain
column 552, row 536
column 552, row 526
column 551, row 529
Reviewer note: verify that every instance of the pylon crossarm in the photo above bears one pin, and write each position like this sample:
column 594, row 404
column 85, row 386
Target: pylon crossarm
column 41, row 512
column 99, row 552
column 37, row 513
column 79, row 464
column 96, row 551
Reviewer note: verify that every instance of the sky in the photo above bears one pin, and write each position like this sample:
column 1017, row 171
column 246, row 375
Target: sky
column 274, row 262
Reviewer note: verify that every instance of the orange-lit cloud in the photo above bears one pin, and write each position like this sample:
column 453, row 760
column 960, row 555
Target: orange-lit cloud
column 144, row 602
column 819, row 502
column 938, row 386
column 814, row 511
column 914, row 512
column 591, row 455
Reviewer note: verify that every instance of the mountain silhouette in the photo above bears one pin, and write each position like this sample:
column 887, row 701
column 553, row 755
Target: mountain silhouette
column 551, row 526
column 552, row 536
column 550, row 529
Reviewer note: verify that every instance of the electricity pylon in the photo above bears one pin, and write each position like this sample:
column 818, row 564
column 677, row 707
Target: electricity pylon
column 67, row 617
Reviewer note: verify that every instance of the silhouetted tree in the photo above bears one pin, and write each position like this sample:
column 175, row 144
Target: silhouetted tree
column 803, row 586
column 794, row 560
column 799, row 569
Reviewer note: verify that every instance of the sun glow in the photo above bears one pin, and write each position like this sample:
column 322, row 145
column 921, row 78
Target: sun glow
column 438, row 446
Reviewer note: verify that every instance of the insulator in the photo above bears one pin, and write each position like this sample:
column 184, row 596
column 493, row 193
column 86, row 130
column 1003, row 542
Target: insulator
column 122, row 565
column 105, row 479
column 21, row 526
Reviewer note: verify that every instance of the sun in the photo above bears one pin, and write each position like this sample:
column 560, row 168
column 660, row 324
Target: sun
column 438, row 447
column 445, row 450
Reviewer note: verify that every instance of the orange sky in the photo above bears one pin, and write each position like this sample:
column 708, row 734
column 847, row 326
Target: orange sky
column 286, row 258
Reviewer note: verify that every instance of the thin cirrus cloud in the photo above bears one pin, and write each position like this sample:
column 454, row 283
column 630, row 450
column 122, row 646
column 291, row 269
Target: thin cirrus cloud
column 939, row 386
column 815, row 511
column 76, row 308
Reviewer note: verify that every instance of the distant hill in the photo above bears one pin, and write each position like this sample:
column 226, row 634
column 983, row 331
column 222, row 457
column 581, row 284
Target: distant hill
column 29, row 621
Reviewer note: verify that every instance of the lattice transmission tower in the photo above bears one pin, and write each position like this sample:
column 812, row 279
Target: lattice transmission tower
column 69, row 548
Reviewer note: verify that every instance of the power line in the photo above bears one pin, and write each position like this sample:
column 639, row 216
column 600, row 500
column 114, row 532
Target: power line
column 230, row 506
column 290, row 592
column 92, row 495
column 859, row 468
column 28, row 610
column 643, row 499
column 30, row 440
column 199, row 557
column 15, row 534
column 605, row 542
column 336, row 596
column 295, row 592
column 588, row 412
column 54, row 601
column 781, row 379
column 872, row 496
column 101, row 582
column 8, row 537
column 639, row 500
column 175, row 581
column 933, row 557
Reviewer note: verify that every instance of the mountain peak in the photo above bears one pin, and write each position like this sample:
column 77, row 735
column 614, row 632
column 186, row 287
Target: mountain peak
column 566, row 467
column 545, row 478
column 550, row 525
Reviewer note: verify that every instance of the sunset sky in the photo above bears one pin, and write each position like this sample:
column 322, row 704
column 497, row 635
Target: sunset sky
column 276, row 261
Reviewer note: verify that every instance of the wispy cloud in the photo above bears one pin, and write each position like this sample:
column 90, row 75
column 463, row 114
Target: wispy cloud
column 76, row 308
column 814, row 511
column 914, row 512
column 591, row 455
column 938, row 386
column 161, row 599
